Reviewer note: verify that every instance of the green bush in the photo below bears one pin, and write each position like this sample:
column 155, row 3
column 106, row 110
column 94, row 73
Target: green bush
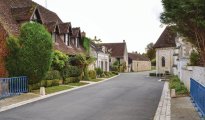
column 92, row 74
column 152, row 74
column 71, row 71
column 34, row 86
column 194, row 59
column 99, row 71
column 176, row 84
column 115, row 72
column 72, row 80
column 34, row 53
column 53, row 74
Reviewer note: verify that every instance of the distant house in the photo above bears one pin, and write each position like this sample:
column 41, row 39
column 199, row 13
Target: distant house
column 118, row 52
column 138, row 62
column 165, row 47
column 102, row 57
column 15, row 12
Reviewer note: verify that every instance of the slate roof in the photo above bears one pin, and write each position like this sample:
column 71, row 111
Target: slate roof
column 166, row 39
column 137, row 57
column 116, row 49
column 13, row 11
column 76, row 32
column 64, row 27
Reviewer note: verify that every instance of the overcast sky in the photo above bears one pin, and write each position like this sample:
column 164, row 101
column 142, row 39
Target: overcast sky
column 136, row 21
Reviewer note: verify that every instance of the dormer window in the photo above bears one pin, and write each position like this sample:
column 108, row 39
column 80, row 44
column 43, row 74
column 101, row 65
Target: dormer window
column 53, row 37
column 77, row 42
column 36, row 17
column 66, row 39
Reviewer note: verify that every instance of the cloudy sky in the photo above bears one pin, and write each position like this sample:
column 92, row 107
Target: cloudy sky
column 136, row 21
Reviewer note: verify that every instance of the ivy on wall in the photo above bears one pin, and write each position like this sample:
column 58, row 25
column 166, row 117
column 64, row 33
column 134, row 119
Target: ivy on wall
column 86, row 44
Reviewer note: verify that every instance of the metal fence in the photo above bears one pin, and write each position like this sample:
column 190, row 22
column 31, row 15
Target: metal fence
column 13, row 86
column 198, row 95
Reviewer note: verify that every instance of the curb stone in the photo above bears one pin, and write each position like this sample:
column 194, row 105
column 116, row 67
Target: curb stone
column 164, row 108
column 49, row 95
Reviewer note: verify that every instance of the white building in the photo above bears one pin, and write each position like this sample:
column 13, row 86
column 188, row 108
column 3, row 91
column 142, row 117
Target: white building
column 101, row 55
column 165, row 47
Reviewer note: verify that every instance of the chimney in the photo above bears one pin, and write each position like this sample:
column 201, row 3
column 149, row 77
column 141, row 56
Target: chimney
column 83, row 34
column 124, row 41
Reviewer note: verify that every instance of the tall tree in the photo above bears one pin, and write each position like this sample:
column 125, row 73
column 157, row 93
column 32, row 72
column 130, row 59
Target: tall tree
column 188, row 19
column 151, row 53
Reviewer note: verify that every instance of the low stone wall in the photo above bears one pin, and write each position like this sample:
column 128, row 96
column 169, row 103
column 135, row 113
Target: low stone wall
column 141, row 66
column 195, row 72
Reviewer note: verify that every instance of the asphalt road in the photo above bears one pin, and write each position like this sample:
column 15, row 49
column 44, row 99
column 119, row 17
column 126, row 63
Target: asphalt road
column 130, row 96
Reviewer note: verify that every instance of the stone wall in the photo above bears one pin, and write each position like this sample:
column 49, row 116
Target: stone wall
column 141, row 66
column 195, row 72
column 169, row 59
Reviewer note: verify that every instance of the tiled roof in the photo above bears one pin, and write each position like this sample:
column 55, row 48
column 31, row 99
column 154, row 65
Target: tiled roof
column 137, row 57
column 64, row 27
column 48, row 16
column 167, row 39
column 60, row 45
column 116, row 49
column 50, row 26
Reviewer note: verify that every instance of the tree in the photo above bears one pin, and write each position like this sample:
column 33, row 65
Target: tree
column 59, row 60
column 83, row 62
column 33, row 51
column 188, row 19
column 151, row 53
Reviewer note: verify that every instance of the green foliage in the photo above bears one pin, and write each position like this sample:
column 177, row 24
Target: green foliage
column 151, row 52
column 92, row 74
column 72, row 80
column 188, row 18
column 59, row 60
column 86, row 44
column 12, row 60
column 71, row 71
column 177, row 85
column 34, row 54
column 52, row 74
column 99, row 71
column 116, row 66
column 194, row 59
column 153, row 62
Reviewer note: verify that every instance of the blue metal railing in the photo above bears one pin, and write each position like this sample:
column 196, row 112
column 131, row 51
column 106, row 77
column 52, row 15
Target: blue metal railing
column 13, row 86
column 197, row 92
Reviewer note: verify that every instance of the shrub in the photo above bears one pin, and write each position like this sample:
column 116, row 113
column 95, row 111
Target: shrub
column 53, row 74
column 72, row 80
column 115, row 72
column 92, row 74
column 59, row 60
column 99, row 71
column 152, row 74
column 194, row 58
column 175, row 83
column 71, row 71
column 34, row 54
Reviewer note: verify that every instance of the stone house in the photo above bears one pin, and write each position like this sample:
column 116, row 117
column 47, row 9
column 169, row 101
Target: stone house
column 15, row 12
column 138, row 62
column 118, row 52
column 165, row 47
column 102, row 57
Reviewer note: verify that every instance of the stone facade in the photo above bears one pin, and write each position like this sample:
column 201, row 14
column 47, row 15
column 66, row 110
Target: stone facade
column 167, row 53
column 141, row 66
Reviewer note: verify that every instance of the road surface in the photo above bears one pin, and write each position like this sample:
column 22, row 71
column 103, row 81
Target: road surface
column 130, row 96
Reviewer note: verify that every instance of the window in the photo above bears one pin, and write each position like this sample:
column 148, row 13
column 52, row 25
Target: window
column 66, row 39
column 54, row 37
column 163, row 61
column 77, row 42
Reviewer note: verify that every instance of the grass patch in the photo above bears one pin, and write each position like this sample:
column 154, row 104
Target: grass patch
column 77, row 84
column 96, row 80
column 176, row 84
column 53, row 89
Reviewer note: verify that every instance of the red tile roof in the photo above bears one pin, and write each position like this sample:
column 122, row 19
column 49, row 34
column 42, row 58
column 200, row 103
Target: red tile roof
column 167, row 39
column 116, row 49
column 137, row 57
column 64, row 27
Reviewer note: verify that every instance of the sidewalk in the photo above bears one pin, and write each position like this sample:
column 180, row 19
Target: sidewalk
column 163, row 111
column 182, row 109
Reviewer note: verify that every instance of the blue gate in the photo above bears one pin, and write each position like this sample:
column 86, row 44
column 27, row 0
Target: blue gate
column 13, row 86
column 197, row 92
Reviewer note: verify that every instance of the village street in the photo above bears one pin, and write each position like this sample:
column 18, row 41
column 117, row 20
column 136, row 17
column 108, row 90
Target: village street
column 130, row 96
